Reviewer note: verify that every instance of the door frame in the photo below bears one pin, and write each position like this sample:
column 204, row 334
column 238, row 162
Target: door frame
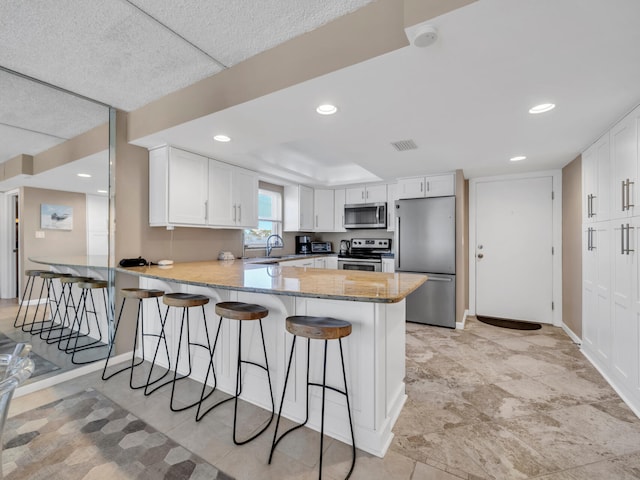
column 8, row 278
column 556, row 279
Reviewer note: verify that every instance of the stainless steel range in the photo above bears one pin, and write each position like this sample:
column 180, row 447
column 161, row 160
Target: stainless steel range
column 365, row 254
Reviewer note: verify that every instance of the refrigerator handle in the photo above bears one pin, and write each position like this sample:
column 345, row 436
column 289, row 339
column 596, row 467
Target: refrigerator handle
column 438, row 279
column 398, row 243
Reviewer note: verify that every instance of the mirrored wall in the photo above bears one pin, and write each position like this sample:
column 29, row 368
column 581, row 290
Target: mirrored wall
column 55, row 196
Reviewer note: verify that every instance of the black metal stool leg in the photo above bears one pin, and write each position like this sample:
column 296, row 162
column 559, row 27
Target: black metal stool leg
column 346, row 394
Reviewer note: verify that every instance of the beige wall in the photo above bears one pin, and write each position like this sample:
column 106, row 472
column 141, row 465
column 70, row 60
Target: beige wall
column 572, row 246
column 56, row 242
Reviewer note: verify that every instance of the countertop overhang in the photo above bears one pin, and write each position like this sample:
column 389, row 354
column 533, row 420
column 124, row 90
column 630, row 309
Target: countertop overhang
column 281, row 280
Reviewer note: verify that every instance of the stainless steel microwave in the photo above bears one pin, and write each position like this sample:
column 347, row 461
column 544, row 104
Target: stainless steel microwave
column 365, row 215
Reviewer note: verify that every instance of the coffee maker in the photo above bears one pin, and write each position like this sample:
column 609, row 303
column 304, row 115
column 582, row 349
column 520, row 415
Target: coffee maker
column 303, row 244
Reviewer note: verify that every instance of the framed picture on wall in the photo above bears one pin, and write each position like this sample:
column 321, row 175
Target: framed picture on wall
column 56, row 217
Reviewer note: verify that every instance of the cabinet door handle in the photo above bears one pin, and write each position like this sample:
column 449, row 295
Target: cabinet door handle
column 420, row 187
column 316, row 221
column 428, row 186
column 629, row 204
column 239, row 213
column 629, row 250
column 206, row 211
column 622, row 239
column 367, row 193
column 589, row 239
column 235, row 213
column 589, row 206
column 622, row 189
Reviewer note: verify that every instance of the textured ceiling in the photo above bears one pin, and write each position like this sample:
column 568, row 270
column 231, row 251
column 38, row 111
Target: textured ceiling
column 126, row 54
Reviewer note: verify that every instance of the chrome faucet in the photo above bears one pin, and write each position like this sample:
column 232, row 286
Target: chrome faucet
column 279, row 243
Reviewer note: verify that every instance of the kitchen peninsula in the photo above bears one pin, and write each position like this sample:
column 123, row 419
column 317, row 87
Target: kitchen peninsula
column 375, row 351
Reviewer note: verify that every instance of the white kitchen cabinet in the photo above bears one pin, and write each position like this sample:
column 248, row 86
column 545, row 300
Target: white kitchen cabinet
column 624, row 164
column 303, row 262
column 338, row 210
column 177, row 187
column 596, row 180
column 388, row 265
column 610, row 266
column 186, row 189
column 596, row 291
column 298, row 208
column 323, row 207
column 430, row 186
column 624, row 320
column 392, row 196
column 331, row 262
column 244, row 189
column 233, row 196
column 366, row 194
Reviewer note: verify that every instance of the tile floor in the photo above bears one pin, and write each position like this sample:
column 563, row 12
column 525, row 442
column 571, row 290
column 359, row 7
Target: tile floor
column 484, row 402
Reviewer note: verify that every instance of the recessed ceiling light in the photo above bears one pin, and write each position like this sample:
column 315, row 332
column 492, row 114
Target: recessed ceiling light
column 326, row 109
column 102, row 191
column 518, row 158
column 543, row 107
column 222, row 138
column 84, row 175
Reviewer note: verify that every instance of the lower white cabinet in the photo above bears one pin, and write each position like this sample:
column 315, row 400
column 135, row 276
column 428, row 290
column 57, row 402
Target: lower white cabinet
column 388, row 265
column 611, row 303
column 596, row 291
column 328, row 262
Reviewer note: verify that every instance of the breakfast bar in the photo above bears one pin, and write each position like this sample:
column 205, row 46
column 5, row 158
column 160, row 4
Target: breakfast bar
column 375, row 351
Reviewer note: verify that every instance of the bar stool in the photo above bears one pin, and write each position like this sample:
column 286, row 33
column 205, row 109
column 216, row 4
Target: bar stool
column 139, row 294
column 52, row 302
column 318, row 328
column 84, row 309
column 66, row 303
column 184, row 301
column 31, row 280
column 241, row 312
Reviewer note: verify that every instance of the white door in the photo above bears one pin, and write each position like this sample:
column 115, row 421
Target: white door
column 513, row 248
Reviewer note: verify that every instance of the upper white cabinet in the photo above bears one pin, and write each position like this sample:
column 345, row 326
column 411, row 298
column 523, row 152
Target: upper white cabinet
column 323, row 210
column 596, row 181
column 298, row 208
column 177, row 187
column 366, row 194
column 186, row 189
column 624, row 164
column 338, row 210
column 431, row 186
column 392, row 196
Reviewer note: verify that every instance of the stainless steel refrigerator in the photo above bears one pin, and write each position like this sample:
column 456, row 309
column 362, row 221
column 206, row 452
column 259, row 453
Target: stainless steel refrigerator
column 425, row 242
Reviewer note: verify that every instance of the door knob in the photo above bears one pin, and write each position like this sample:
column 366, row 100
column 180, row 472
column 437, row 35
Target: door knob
column 480, row 255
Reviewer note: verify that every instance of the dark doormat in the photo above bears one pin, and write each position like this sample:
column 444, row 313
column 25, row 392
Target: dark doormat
column 506, row 323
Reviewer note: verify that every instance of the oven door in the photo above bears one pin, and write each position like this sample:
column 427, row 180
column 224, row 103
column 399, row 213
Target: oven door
column 362, row 265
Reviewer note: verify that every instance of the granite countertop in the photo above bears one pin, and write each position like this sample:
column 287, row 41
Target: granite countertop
column 90, row 261
column 281, row 280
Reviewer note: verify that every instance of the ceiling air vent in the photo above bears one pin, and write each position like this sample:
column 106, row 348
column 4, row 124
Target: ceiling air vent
column 403, row 145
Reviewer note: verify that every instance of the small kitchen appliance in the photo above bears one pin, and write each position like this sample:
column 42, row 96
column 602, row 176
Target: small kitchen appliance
column 303, row 244
column 321, row 247
column 365, row 215
column 345, row 246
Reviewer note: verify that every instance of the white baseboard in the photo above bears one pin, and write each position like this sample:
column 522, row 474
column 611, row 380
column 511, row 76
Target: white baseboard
column 34, row 301
column 633, row 405
column 577, row 340
column 70, row 375
column 460, row 325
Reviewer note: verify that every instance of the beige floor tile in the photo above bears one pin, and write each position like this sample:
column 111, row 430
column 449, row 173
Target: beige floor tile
column 427, row 472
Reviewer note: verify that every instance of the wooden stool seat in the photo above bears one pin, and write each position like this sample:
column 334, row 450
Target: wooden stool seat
column 34, row 273
column 241, row 311
column 140, row 293
column 54, row 275
column 320, row 328
column 92, row 284
column 184, row 300
column 73, row 279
